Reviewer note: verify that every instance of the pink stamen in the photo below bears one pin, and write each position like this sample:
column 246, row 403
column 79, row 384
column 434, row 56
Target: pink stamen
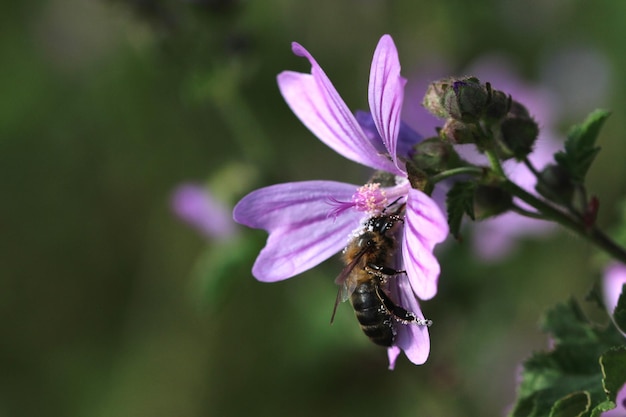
column 370, row 198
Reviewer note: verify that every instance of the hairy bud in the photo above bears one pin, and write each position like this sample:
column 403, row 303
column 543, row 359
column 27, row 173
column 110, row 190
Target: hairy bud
column 433, row 99
column 517, row 136
column 434, row 155
column 555, row 184
column 517, row 109
column 466, row 99
column 498, row 105
column 490, row 201
column 457, row 132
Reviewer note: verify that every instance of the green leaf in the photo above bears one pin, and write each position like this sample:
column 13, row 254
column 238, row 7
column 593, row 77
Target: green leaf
column 555, row 382
column 572, row 405
column 460, row 201
column 619, row 315
column 601, row 408
column 580, row 146
column 613, row 365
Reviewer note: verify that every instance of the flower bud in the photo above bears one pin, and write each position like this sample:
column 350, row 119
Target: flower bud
column 433, row 99
column 555, row 184
column 517, row 109
column 434, row 155
column 497, row 106
column 490, row 201
column 457, row 132
column 466, row 99
column 517, row 136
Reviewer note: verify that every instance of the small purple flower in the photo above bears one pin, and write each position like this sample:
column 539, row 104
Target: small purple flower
column 197, row 207
column 612, row 283
column 310, row 221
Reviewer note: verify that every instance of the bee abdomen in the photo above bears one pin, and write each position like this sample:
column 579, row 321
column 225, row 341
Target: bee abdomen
column 375, row 320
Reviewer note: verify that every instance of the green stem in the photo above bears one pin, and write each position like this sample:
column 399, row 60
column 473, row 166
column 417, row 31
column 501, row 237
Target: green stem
column 494, row 161
column 471, row 170
column 532, row 168
column 526, row 213
column 550, row 212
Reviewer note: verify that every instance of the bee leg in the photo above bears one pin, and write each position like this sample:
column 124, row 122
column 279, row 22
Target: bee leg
column 400, row 313
column 383, row 271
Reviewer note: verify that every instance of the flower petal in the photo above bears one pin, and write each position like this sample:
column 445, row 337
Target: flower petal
column 302, row 233
column 366, row 121
column 407, row 137
column 386, row 93
column 613, row 280
column 424, row 227
column 411, row 338
column 392, row 353
column 316, row 102
column 196, row 205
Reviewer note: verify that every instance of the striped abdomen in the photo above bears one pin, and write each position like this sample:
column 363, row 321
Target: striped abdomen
column 376, row 321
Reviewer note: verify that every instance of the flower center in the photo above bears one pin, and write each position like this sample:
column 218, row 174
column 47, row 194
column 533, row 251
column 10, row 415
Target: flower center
column 370, row 198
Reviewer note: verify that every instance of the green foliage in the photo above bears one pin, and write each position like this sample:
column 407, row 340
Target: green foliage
column 460, row 201
column 614, row 370
column 573, row 405
column 580, row 376
column 580, row 146
column 220, row 268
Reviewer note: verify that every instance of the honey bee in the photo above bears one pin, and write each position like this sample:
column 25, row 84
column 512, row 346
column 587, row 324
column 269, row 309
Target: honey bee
column 365, row 277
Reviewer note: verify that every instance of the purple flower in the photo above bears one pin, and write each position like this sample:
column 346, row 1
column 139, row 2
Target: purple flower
column 197, row 207
column 310, row 221
column 613, row 280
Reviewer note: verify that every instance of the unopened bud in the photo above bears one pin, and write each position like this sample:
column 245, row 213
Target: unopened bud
column 490, row 201
column 466, row 99
column 517, row 109
column 517, row 136
column 555, row 184
column 457, row 132
column 433, row 99
column 497, row 106
column 434, row 155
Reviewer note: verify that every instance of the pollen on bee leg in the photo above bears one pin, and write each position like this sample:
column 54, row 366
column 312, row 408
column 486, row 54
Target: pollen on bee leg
column 412, row 318
column 370, row 199
column 423, row 322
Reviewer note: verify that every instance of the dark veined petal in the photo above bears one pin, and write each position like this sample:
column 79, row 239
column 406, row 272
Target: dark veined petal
column 410, row 338
column 316, row 102
column 303, row 231
column 424, row 226
column 386, row 93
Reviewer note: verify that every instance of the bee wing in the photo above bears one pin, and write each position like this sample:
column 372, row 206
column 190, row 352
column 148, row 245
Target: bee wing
column 346, row 284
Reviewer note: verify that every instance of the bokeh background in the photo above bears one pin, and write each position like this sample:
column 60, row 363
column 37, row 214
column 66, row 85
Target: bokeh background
column 112, row 306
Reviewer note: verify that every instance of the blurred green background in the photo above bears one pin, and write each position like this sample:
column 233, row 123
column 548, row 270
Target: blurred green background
column 107, row 306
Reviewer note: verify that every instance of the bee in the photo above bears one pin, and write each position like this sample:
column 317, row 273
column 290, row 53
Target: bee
column 365, row 277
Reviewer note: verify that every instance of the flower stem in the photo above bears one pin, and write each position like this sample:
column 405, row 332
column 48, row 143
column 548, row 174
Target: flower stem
column 532, row 168
column 471, row 170
column 550, row 212
column 494, row 161
column 526, row 213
